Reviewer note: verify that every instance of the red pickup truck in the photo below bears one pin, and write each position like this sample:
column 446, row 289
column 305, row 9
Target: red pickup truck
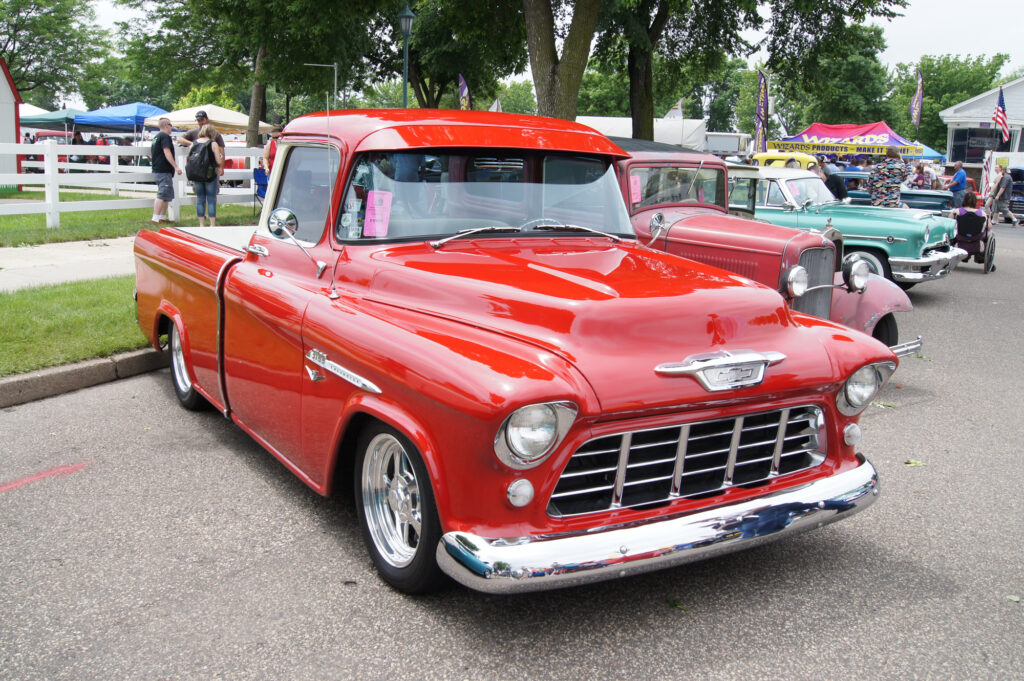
column 450, row 311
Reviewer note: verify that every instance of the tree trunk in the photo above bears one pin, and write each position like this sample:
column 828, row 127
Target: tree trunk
column 641, row 93
column 557, row 79
column 257, row 102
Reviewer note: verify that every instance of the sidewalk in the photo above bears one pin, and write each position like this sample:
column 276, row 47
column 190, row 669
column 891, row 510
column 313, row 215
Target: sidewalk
column 69, row 261
column 57, row 263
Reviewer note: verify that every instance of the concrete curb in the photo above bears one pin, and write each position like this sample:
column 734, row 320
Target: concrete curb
column 36, row 385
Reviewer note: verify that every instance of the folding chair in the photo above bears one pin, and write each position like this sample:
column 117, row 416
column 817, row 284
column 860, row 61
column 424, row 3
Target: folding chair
column 259, row 187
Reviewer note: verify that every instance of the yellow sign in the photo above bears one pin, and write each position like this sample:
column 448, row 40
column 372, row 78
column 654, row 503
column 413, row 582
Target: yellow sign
column 840, row 148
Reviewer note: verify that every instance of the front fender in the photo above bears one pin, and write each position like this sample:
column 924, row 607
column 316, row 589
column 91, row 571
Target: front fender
column 862, row 311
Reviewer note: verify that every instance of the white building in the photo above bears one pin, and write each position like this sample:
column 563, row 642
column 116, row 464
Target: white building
column 971, row 130
column 9, row 121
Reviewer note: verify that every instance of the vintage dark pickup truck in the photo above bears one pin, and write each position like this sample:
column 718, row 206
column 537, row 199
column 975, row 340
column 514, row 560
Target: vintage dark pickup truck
column 450, row 312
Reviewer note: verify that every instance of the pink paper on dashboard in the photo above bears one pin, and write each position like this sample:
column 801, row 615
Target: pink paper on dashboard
column 634, row 189
column 378, row 212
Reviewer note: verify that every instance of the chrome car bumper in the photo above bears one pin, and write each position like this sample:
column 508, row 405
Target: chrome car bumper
column 521, row 564
column 909, row 348
column 935, row 265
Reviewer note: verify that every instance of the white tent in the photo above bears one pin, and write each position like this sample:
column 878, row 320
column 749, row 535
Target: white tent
column 688, row 132
column 225, row 120
column 26, row 109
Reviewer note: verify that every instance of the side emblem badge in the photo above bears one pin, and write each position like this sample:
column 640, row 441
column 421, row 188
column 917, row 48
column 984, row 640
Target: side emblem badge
column 723, row 370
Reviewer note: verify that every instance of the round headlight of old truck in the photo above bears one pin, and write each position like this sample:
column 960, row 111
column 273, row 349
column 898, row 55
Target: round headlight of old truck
column 856, row 273
column 862, row 386
column 796, row 281
column 530, row 433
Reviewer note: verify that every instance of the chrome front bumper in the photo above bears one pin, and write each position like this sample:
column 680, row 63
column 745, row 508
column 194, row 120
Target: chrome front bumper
column 935, row 265
column 906, row 349
column 521, row 564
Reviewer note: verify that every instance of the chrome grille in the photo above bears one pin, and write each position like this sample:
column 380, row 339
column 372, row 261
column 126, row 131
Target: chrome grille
column 649, row 467
column 820, row 264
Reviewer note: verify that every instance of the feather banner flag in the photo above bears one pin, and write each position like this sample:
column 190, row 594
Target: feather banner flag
column 916, row 102
column 463, row 93
column 761, row 115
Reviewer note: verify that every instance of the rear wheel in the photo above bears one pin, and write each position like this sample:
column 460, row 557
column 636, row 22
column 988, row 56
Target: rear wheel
column 990, row 254
column 395, row 505
column 183, row 388
column 885, row 330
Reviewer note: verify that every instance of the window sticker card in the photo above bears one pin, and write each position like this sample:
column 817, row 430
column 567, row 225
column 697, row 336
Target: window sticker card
column 634, row 189
column 353, row 204
column 378, row 212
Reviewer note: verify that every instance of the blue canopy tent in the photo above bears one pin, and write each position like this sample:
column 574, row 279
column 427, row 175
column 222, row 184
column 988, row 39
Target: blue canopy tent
column 127, row 117
column 929, row 154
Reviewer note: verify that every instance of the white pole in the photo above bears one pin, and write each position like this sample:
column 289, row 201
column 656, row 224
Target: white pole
column 178, row 181
column 113, row 170
column 52, row 184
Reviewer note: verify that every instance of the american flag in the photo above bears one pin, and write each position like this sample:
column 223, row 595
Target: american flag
column 999, row 116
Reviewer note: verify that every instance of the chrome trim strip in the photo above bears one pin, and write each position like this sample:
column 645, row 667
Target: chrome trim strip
column 780, row 440
column 868, row 237
column 677, row 471
column 522, row 564
column 723, row 370
column 906, row 349
column 620, row 473
column 319, row 358
column 734, row 448
column 222, row 379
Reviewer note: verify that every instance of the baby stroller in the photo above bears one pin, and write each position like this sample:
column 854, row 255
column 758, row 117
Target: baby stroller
column 975, row 237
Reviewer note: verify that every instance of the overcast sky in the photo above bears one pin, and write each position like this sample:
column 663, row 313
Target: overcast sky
column 984, row 27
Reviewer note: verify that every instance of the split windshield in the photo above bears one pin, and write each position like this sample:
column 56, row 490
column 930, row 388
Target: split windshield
column 655, row 185
column 417, row 194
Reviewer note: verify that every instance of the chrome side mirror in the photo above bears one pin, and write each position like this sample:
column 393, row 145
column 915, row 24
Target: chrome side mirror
column 283, row 224
column 657, row 227
column 789, row 207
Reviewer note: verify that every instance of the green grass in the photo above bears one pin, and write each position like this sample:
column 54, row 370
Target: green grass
column 62, row 323
column 26, row 230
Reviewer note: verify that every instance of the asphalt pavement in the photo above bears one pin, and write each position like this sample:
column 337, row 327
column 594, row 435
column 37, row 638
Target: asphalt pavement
column 142, row 541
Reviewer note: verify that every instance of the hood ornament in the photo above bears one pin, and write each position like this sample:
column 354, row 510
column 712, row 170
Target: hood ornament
column 723, row 370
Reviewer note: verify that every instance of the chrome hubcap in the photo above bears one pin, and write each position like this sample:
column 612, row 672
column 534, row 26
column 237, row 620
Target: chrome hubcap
column 391, row 500
column 181, row 378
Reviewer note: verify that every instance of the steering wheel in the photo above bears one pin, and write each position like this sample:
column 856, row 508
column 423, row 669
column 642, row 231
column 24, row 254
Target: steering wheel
column 538, row 221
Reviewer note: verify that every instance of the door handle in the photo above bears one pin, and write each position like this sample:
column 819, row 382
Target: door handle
column 257, row 249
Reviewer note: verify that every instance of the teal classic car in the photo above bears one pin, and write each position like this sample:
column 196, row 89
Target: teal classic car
column 904, row 245
column 914, row 197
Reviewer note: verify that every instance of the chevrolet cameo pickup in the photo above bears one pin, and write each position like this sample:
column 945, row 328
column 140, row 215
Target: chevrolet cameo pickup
column 679, row 196
column 450, row 312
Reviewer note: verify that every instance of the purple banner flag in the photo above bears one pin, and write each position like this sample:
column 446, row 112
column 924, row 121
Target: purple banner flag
column 761, row 115
column 916, row 102
column 463, row 93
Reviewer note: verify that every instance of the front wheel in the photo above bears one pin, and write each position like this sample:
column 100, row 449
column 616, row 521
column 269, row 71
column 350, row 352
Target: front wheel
column 876, row 260
column 885, row 330
column 395, row 505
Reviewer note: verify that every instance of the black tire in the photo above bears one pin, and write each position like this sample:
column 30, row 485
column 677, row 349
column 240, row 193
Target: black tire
column 183, row 388
column 990, row 254
column 886, row 330
column 396, row 510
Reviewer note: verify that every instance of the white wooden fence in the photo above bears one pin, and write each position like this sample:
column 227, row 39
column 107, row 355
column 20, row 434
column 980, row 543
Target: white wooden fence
column 112, row 176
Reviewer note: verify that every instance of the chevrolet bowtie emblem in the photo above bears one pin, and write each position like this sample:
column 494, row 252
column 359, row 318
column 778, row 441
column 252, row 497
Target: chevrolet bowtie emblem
column 723, row 370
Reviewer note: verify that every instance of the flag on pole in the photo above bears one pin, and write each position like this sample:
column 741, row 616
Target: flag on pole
column 496, row 106
column 761, row 115
column 916, row 102
column 676, row 111
column 987, row 173
column 463, row 93
column 999, row 116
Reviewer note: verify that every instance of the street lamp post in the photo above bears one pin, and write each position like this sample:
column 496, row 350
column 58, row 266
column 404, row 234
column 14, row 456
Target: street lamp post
column 405, row 18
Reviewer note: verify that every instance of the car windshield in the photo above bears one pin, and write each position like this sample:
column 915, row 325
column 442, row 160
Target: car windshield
column 417, row 194
column 651, row 186
column 809, row 188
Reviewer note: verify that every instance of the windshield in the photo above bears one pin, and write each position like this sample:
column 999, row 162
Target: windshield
column 809, row 188
column 652, row 186
column 417, row 194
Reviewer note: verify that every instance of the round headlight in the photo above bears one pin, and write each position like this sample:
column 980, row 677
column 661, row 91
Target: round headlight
column 857, row 274
column 531, row 431
column 796, row 281
column 861, row 387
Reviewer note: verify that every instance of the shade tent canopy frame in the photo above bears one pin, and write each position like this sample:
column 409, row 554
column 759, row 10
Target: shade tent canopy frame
column 226, row 121
column 124, row 118
column 869, row 138
column 54, row 120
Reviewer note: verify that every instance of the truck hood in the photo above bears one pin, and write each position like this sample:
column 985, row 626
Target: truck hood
column 615, row 311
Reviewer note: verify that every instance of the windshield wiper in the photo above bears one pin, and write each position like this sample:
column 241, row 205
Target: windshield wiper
column 576, row 228
column 470, row 232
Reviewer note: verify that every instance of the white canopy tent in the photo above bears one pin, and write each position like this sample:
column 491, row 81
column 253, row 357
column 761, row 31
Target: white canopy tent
column 26, row 109
column 226, row 121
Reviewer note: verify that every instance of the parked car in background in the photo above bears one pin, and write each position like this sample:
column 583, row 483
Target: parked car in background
column 1017, row 193
column 781, row 158
column 521, row 394
column 925, row 199
column 43, row 137
column 683, row 193
column 907, row 246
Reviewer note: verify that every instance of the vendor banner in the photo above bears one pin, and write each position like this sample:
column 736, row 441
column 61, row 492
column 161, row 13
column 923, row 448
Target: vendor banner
column 915, row 103
column 761, row 115
column 840, row 148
